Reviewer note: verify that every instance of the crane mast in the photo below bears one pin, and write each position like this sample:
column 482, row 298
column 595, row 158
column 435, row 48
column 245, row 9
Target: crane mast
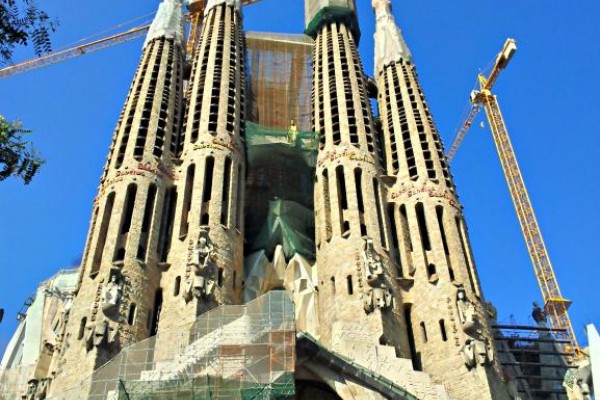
column 555, row 305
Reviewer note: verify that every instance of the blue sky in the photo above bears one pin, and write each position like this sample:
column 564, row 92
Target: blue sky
column 548, row 94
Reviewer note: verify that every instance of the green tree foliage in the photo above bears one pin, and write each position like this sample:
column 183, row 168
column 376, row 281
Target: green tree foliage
column 18, row 158
column 22, row 23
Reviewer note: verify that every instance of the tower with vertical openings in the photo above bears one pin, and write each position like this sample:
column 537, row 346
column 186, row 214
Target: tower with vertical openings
column 310, row 248
column 209, row 206
column 358, row 290
column 120, row 271
column 444, row 308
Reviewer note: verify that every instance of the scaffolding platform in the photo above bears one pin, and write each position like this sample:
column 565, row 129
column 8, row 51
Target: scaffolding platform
column 230, row 352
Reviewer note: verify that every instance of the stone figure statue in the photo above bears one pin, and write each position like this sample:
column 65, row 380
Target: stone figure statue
column 476, row 352
column 578, row 382
column 111, row 293
column 204, row 250
column 203, row 281
column 372, row 262
column 42, row 389
column 98, row 335
column 68, row 304
column 377, row 294
column 466, row 311
column 378, row 298
column 31, row 389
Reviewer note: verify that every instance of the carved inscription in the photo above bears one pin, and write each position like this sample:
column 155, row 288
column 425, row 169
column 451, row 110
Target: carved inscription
column 218, row 144
column 409, row 192
column 349, row 154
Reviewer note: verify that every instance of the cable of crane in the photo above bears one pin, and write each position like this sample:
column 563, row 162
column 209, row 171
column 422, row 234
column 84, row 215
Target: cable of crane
column 457, row 141
column 148, row 18
column 466, row 111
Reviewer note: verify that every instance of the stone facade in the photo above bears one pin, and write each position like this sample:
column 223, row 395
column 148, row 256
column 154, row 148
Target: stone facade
column 393, row 289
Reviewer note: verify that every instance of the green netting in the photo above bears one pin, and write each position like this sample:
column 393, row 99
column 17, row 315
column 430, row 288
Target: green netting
column 208, row 387
column 290, row 225
column 260, row 134
column 279, row 190
column 334, row 14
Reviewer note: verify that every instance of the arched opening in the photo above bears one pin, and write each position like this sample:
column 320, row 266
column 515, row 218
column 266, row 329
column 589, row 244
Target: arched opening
column 443, row 330
column 350, row 285
column 131, row 315
column 82, row 325
column 177, row 286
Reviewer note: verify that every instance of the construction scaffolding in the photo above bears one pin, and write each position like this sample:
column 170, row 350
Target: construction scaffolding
column 230, row 352
column 280, row 148
column 279, row 79
column 533, row 357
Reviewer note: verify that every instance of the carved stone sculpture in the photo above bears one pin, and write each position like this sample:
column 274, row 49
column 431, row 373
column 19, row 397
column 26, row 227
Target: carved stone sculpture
column 466, row 312
column 378, row 298
column 203, row 282
column 476, row 352
column 377, row 294
column 477, row 349
column 100, row 334
column 204, row 250
column 68, row 305
column 578, row 382
column 31, row 389
column 372, row 262
column 42, row 389
column 111, row 293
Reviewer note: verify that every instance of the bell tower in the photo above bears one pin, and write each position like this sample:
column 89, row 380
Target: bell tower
column 358, row 293
column 444, row 308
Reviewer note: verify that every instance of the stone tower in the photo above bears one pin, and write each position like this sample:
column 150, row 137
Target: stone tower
column 444, row 308
column 358, row 292
column 120, row 269
column 387, row 298
column 205, row 263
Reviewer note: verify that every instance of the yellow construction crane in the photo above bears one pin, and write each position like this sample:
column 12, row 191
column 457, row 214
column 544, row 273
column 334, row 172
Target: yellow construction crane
column 73, row 52
column 196, row 12
column 555, row 305
column 194, row 16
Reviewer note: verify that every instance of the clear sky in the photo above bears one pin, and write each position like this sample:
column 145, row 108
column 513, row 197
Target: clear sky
column 549, row 97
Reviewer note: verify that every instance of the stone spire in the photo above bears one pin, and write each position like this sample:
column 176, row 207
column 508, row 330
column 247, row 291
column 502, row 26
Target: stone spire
column 449, row 334
column 169, row 22
column 208, row 236
column 120, row 271
column 358, row 290
column 389, row 42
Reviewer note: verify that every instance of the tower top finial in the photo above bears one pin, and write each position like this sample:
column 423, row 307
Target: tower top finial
column 381, row 6
column 389, row 42
column 168, row 23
